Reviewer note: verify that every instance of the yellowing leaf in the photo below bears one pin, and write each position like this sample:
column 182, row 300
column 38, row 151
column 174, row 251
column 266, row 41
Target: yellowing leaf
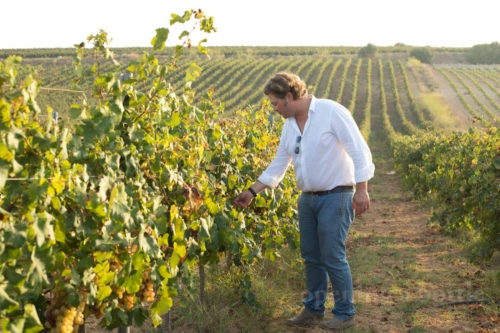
column 57, row 183
column 174, row 212
column 179, row 228
column 5, row 154
column 192, row 72
column 104, row 291
column 180, row 249
column 231, row 181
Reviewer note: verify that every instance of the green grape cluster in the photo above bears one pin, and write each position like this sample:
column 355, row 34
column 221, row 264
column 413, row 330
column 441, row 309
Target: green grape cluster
column 64, row 319
column 146, row 293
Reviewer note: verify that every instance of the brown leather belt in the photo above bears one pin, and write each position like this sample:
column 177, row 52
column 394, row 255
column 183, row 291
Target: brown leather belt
column 337, row 189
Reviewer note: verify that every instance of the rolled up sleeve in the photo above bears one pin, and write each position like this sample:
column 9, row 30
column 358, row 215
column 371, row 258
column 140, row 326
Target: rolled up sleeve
column 349, row 136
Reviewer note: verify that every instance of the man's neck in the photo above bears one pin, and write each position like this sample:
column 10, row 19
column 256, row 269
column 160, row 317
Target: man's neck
column 303, row 105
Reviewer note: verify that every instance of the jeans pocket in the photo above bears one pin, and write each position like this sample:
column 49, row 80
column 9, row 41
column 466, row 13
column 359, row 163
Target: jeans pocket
column 347, row 206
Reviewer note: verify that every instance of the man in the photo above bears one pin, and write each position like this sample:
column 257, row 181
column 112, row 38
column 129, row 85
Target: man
column 329, row 156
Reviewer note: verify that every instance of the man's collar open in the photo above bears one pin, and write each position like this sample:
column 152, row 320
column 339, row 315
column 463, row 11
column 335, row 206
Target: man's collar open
column 312, row 106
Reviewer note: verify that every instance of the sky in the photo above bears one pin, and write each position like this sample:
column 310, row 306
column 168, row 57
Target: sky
column 58, row 23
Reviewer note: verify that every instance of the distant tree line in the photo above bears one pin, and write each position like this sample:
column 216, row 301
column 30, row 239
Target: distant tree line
column 229, row 51
column 484, row 54
column 424, row 54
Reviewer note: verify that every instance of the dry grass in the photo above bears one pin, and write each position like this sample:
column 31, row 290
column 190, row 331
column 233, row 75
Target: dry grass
column 440, row 111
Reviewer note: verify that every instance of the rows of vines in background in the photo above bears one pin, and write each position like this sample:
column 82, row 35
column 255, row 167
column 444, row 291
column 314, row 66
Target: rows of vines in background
column 239, row 93
column 343, row 80
column 225, row 85
column 354, row 91
column 365, row 125
column 471, row 93
column 483, row 92
column 321, row 82
column 301, row 67
column 311, row 71
column 386, row 123
column 110, row 218
column 222, row 74
column 484, row 79
column 329, row 87
column 407, row 126
column 251, row 92
column 460, row 171
column 238, row 98
column 464, row 102
column 321, row 76
column 414, row 107
column 255, row 95
column 494, row 73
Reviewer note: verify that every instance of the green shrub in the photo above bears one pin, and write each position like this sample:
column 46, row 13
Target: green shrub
column 368, row 51
column 424, row 54
column 484, row 54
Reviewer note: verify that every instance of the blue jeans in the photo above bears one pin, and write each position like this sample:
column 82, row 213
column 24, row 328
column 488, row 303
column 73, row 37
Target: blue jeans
column 324, row 222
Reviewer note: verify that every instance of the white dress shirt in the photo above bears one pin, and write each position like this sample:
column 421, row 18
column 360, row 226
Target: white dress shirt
column 331, row 152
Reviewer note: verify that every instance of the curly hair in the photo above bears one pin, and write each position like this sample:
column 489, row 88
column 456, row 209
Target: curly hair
column 284, row 82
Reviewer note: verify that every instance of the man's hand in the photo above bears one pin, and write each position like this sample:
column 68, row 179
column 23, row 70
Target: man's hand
column 361, row 199
column 243, row 199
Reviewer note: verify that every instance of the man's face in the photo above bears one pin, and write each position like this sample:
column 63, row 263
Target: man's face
column 281, row 106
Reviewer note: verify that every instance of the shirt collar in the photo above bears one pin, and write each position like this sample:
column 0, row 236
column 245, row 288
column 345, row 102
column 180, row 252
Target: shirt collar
column 312, row 107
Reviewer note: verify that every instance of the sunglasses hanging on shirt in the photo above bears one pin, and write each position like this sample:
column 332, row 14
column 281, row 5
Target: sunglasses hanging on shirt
column 297, row 147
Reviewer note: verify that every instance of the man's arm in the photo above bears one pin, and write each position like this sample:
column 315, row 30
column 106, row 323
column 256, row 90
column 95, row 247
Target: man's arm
column 361, row 199
column 245, row 198
column 349, row 136
column 271, row 177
